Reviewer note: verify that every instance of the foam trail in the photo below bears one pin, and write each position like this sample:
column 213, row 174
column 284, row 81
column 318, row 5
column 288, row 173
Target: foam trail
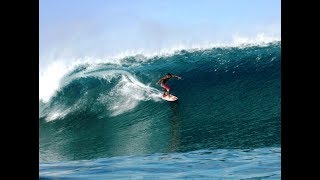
column 127, row 94
column 57, row 114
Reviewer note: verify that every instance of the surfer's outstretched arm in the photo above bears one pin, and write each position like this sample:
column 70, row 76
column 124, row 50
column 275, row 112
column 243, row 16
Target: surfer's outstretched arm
column 159, row 81
column 178, row 77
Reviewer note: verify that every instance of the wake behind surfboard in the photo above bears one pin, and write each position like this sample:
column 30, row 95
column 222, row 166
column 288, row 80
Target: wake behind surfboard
column 170, row 98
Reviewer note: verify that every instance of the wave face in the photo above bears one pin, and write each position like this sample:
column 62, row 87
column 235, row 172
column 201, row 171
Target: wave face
column 229, row 98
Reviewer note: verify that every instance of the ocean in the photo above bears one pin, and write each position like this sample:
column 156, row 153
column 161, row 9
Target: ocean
column 108, row 121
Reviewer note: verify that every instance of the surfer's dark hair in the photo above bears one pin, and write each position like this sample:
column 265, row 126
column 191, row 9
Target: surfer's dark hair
column 169, row 74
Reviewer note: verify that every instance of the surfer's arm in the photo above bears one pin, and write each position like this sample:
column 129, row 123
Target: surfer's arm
column 160, row 80
column 178, row 77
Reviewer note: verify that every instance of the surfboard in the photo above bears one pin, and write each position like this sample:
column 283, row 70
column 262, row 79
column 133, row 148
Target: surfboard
column 170, row 98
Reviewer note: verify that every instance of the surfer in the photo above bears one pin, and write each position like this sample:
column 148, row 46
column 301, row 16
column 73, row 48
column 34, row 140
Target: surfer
column 163, row 81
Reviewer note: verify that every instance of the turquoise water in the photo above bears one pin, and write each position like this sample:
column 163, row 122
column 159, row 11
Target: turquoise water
column 205, row 164
column 107, row 119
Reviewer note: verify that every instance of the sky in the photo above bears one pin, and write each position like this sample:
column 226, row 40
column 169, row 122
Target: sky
column 104, row 27
column 74, row 29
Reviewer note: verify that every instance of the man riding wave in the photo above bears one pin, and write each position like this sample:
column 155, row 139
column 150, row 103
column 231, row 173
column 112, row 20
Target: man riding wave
column 163, row 81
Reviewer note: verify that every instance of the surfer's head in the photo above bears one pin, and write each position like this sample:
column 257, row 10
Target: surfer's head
column 169, row 75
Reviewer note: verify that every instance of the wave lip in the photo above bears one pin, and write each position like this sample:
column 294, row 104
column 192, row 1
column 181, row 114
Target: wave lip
column 259, row 39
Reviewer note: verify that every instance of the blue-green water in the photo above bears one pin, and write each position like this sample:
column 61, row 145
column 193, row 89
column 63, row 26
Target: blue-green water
column 205, row 164
column 107, row 119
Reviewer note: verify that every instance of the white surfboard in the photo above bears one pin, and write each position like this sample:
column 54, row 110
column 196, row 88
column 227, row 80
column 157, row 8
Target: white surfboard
column 170, row 98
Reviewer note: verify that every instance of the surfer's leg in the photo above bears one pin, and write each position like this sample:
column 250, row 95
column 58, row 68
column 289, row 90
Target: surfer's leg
column 166, row 89
column 167, row 93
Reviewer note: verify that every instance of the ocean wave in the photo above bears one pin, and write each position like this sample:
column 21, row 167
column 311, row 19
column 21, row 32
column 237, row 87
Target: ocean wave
column 120, row 87
column 50, row 78
column 228, row 98
column 121, row 93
